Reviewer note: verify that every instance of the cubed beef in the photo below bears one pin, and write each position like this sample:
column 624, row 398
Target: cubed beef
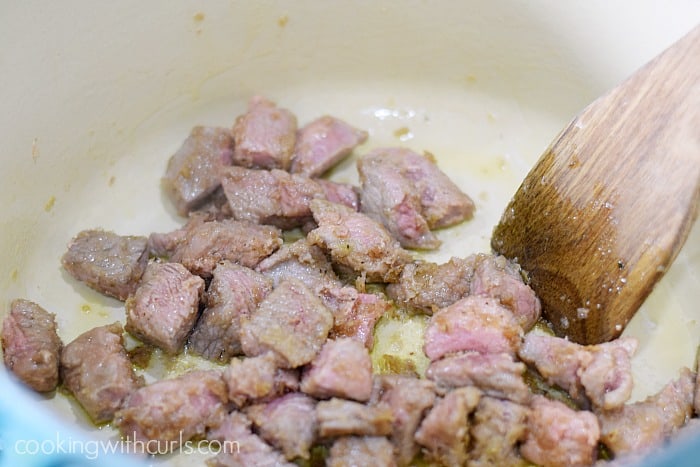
column 356, row 242
column 194, row 171
column 444, row 432
column 409, row 399
column 264, row 136
column 288, row 423
column 172, row 411
column 323, row 143
column 642, row 425
column 473, row 323
column 496, row 374
column 498, row 427
column 608, row 380
column 356, row 314
column 109, row 263
column 291, row 321
column 98, row 372
column 164, row 308
column 340, row 193
column 558, row 435
column 428, row 287
column 235, row 291
column 350, row 451
column 339, row 417
column 343, row 368
column 30, row 345
column 240, row 447
column 255, row 378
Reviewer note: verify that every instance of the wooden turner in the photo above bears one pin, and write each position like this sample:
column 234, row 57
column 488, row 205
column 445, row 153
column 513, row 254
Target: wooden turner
column 606, row 209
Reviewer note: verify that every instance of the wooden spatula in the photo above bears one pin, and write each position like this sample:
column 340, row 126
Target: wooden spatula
column 606, row 209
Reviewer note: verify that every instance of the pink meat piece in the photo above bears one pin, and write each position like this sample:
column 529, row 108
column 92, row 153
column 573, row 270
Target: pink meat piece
column 264, row 137
column 498, row 428
column 258, row 378
column 323, row 143
column 474, row 323
column 340, row 417
column 355, row 314
column 347, row 451
column 340, row 193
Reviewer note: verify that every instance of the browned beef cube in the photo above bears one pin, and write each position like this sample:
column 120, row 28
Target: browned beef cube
column 256, row 378
column 497, row 374
column 340, row 193
column 444, row 432
column 356, row 242
column 288, row 423
column 98, row 372
column 107, row 262
column 356, row 313
column 498, row 428
column 558, row 435
column 323, row 143
column 194, row 171
column 235, row 291
column 30, row 345
column 339, row 417
column 264, row 136
column 347, row 451
column 343, row 368
column 291, row 321
column 164, row 308
column 473, row 323
column 172, row 411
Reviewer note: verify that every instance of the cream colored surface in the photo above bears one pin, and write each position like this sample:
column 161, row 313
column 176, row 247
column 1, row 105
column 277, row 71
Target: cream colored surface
column 97, row 96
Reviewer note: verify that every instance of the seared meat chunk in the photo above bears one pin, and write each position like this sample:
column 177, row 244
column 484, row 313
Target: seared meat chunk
column 340, row 193
column 474, row 323
column 356, row 242
column 234, row 292
column 339, row 417
column 194, row 171
column 350, row 451
column 109, row 263
column 497, row 429
column 98, row 372
column 444, row 432
column 30, row 345
column 496, row 374
column 356, row 314
column 264, row 136
column 173, row 410
column 291, row 322
column 601, row 372
column 164, row 308
column 343, row 368
column 646, row 424
column 257, row 378
column 560, row 436
column 288, row 423
column 323, row 143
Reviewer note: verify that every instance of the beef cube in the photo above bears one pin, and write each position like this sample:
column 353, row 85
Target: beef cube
column 444, row 432
column 642, row 425
column 496, row 374
column 323, row 143
column 164, row 308
column 30, row 345
column 473, row 323
column 558, row 435
column 428, row 287
column 173, row 410
column 291, row 322
column 607, row 379
column 343, row 368
column 98, row 372
column 340, row 193
column 356, row 314
column 358, row 451
column 234, row 292
column 109, row 263
column 356, row 242
column 240, row 447
column 257, row 378
column 288, row 423
column 498, row 428
column 264, row 137
column 409, row 399
column 339, row 417
column 194, row 171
